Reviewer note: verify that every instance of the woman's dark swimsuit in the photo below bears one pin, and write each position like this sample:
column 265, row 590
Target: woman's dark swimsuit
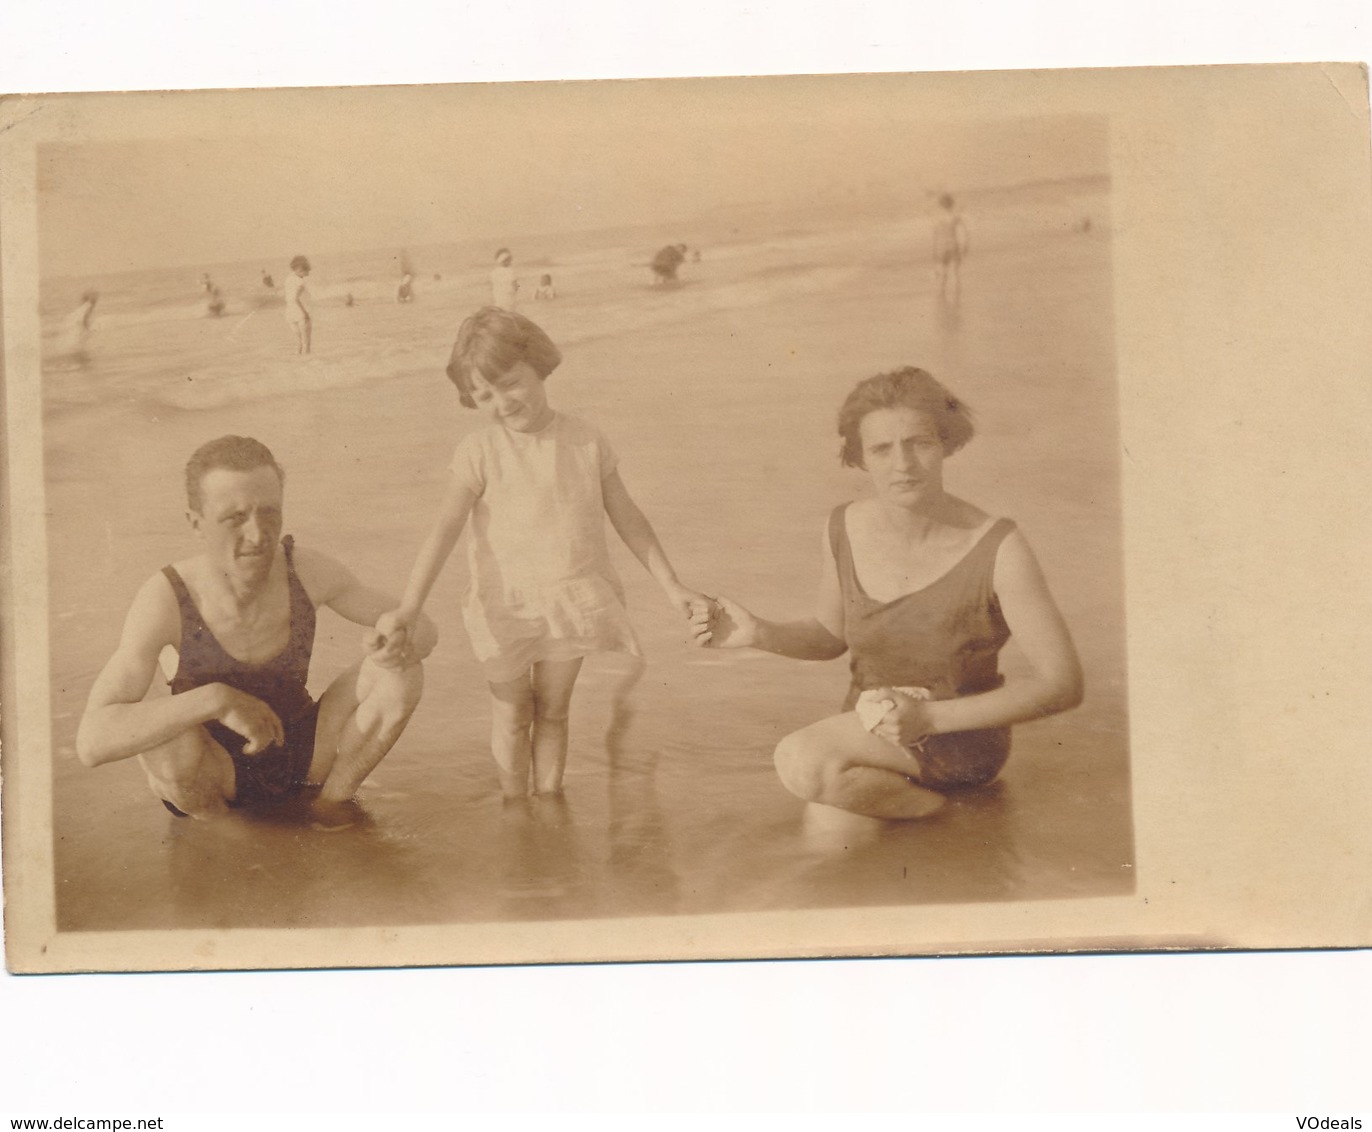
column 279, row 683
column 945, row 637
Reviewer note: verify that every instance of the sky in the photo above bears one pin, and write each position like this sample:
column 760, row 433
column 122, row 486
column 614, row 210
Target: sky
column 399, row 168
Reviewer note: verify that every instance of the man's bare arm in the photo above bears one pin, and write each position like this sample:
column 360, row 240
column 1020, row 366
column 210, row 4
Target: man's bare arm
column 119, row 722
column 330, row 583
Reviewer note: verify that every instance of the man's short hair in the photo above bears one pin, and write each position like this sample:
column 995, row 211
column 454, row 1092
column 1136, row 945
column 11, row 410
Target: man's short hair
column 233, row 453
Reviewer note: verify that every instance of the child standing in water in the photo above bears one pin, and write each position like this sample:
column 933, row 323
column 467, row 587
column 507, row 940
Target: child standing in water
column 951, row 245
column 298, row 303
column 541, row 591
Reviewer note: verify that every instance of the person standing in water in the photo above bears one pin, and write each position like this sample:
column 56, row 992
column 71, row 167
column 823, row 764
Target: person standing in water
column 79, row 327
column 951, row 246
column 542, row 593
column 504, row 284
column 298, row 303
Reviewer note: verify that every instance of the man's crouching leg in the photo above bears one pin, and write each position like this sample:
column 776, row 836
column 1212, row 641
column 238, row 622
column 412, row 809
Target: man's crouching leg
column 191, row 772
column 361, row 715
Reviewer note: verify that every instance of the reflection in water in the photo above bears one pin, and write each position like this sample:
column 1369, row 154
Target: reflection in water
column 661, row 821
column 641, row 876
column 543, row 861
column 272, row 868
column 824, row 829
column 962, row 852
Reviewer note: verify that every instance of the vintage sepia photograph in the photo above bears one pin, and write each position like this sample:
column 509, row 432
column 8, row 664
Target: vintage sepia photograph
column 576, row 521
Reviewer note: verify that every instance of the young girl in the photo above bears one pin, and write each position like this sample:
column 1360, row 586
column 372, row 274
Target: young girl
column 541, row 590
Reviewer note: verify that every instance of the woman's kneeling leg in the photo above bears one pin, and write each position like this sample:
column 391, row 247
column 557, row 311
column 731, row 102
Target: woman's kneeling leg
column 836, row 762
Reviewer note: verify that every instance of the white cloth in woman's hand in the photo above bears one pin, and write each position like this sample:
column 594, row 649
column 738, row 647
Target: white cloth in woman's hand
column 875, row 704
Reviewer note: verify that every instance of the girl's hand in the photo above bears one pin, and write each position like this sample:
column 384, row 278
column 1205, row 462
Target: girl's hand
column 724, row 624
column 686, row 601
column 388, row 643
column 907, row 723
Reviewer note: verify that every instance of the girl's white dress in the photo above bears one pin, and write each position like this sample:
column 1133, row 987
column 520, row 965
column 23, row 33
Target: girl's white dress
column 540, row 582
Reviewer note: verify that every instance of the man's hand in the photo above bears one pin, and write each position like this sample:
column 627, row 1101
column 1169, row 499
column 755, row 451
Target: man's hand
column 251, row 718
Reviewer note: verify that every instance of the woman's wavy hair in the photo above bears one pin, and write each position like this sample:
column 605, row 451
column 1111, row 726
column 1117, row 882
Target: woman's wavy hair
column 913, row 389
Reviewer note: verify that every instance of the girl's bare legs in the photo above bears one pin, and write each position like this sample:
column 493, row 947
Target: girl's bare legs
column 512, row 717
column 837, row 762
column 553, row 681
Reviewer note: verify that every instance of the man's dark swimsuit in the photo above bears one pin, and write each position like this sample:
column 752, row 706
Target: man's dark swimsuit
column 279, row 683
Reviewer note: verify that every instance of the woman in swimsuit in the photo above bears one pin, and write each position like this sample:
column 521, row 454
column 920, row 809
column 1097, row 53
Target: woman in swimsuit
column 923, row 589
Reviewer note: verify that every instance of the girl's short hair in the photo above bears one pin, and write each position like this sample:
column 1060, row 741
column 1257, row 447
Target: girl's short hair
column 910, row 388
column 300, row 261
column 492, row 342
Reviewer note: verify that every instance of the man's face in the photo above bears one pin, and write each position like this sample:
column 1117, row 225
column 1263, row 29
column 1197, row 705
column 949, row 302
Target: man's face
column 240, row 521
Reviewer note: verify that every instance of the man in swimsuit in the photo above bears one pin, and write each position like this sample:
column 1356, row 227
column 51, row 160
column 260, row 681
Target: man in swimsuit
column 239, row 728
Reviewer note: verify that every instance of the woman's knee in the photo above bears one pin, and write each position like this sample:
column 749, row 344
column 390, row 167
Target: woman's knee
column 801, row 767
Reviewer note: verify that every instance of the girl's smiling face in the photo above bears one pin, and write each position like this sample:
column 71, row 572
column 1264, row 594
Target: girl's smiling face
column 517, row 399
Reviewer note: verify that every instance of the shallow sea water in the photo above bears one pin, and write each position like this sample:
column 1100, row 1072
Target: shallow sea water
column 720, row 398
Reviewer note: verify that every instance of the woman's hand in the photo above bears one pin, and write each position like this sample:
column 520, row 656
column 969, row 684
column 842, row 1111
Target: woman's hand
column 724, row 624
column 905, row 724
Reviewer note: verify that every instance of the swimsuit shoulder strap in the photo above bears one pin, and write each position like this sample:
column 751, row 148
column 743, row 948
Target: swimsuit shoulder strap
column 189, row 612
column 843, row 552
column 297, row 587
column 838, row 530
column 989, row 544
column 302, row 608
column 975, row 575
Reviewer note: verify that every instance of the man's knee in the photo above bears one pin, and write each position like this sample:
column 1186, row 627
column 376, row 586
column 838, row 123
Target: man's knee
column 393, row 693
column 190, row 771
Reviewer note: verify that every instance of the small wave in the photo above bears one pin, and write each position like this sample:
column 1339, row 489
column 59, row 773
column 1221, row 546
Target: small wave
column 312, row 374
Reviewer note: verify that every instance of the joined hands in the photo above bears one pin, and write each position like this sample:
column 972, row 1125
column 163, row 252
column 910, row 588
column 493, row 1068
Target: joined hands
column 393, row 642
column 721, row 623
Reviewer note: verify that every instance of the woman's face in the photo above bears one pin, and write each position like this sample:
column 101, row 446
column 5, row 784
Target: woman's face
column 903, row 453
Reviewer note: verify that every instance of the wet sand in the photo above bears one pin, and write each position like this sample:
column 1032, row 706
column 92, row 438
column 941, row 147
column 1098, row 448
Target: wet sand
column 724, row 424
